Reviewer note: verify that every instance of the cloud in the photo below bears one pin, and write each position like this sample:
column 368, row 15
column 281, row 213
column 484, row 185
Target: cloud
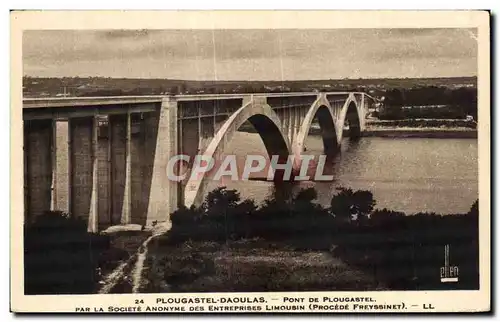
column 124, row 33
column 248, row 54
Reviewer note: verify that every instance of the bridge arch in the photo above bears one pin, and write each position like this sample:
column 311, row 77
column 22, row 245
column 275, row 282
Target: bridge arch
column 327, row 122
column 350, row 113
column 267, row 124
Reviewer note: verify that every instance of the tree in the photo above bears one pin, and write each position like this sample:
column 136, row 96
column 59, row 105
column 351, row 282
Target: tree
column 306, row 195
column 363, row 199
column 182, row 89
column 220, row 200
column 384, row 217
column 303, row 202
column 474, row 209
column 226, row 215
column 352, row 205
column 394, row 98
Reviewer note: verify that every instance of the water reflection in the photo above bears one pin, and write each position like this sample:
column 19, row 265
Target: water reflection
column 410, row 174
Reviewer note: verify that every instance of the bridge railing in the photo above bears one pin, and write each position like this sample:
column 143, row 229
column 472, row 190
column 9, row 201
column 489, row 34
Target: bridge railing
column 42, row 102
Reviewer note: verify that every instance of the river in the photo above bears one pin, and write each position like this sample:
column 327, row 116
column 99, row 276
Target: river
column 404, row 174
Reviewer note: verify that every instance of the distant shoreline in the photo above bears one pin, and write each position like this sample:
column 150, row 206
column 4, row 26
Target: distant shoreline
column 438, row 133
column 442, row 133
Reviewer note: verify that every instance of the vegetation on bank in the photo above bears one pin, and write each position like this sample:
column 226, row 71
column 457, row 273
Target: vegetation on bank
column 229, row 244
column 429, row 102
column 399, row 251
column 61, row 257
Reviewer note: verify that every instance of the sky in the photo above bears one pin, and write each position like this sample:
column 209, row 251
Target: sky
column 257, row 54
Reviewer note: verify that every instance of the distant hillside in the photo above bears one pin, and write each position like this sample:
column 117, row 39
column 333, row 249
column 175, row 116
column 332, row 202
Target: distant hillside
column 101, row 86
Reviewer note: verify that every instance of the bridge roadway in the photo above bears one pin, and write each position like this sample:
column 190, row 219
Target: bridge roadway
column 104, row 158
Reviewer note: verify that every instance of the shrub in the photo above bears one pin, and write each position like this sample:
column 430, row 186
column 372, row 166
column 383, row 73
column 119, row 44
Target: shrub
column 376, row 242
column 60, row 256
column 349, row 204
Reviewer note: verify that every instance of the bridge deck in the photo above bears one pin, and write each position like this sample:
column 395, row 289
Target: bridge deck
column 30, row 103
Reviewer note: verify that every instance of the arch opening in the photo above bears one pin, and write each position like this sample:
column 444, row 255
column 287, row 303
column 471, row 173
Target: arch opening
column 327, row 129
column 270, row 135
column 319, row 120
column 265, row 122
column 352, row 123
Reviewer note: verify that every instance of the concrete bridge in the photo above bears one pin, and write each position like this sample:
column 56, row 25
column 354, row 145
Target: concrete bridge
column 104, row 158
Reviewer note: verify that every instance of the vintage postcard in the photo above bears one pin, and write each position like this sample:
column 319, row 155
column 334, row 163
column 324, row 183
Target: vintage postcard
column 250, row 161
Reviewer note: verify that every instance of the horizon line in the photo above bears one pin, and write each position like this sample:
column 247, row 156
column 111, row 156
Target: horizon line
column 255, row 80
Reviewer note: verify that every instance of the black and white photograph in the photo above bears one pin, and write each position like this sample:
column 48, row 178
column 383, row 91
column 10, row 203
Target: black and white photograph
column 248, row 168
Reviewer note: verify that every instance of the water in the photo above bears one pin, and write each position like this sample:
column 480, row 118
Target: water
column 404, row 174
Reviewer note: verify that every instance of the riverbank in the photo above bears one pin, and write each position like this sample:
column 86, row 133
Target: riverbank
column 402, row 132
column 429, row 132
column 421, row 128
column 409, row 132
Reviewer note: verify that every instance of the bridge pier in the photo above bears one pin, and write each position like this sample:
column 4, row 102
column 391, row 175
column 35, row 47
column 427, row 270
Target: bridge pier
column 163, row 193
column 60, row 166
column 83, row 169
column 38, row 169
column 120, row 141
column 362, row 111
column 93, row 220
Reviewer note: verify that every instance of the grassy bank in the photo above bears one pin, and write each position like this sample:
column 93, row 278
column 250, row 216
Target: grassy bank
column 232, row 245
column 123, row 245
column 246, row 265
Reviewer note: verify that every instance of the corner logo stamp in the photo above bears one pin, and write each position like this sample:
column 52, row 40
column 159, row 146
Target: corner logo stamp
column 449, row 273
